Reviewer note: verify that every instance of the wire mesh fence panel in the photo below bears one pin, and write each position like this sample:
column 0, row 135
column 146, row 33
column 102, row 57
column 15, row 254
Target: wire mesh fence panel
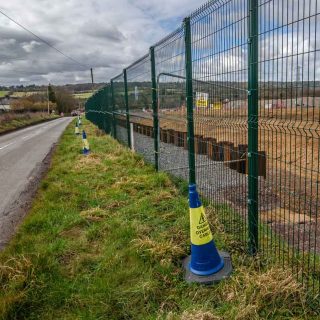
column 119, row 109
column 256, row 99
column 140, row 108
column 92, row 108
column 170, row 77
column 219, row 62
column 107, row 110
column 100, row 103
column 289, row 97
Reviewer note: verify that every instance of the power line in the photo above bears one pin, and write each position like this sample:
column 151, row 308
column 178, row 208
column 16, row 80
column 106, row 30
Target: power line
column 42, row 40
column 28, row 58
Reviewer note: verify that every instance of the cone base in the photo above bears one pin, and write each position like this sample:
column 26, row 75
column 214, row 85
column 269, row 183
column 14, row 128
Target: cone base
column 210, row 279
column 85, row 152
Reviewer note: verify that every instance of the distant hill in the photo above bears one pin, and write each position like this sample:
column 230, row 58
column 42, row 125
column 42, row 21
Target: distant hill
column 74, row 88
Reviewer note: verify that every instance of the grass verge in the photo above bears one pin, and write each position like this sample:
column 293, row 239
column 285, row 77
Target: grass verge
column 11, row 121
column 105, row 239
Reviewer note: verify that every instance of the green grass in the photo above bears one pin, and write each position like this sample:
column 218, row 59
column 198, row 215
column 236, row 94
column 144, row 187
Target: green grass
column 105, row 238
column 3, row 93
column 11, row 121
column 84, row 95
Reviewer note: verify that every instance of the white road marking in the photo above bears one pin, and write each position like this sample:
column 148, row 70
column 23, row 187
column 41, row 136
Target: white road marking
column 7, row 145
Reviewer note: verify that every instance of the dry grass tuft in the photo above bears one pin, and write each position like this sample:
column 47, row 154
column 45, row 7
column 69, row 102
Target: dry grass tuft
column 90, row 161
column 111, row 157
column 75, row 233
column 252, row 292
column 16, row 269
column 199, row 315
column 99, row 133
column 20, row 271
column 94, row 214
column 164, row 251
column 164, row 195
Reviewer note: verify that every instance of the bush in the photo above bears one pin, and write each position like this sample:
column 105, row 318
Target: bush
column 64, row 100
column 32, row 103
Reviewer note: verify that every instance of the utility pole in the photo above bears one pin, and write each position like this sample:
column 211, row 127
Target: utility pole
column 48, row 98
column 91, row 71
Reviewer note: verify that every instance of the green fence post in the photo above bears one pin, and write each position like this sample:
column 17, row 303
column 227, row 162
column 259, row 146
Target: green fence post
column 126, row 99
column 253, row 127
column 189, row 99
column 155, row 108
column 114, row 124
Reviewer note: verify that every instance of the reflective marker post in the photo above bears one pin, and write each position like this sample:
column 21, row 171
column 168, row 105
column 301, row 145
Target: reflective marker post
column 86, row 148
column 76, row 129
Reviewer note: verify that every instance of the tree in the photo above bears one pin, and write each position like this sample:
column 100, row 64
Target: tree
column 51, row 94
column 64, row 100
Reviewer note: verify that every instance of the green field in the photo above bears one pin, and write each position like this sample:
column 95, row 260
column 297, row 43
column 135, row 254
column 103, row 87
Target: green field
column 3, row 93
column 84, row 95
column 105, row 238
column 22, row 94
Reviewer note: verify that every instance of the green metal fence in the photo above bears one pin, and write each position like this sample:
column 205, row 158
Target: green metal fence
column 230, row 100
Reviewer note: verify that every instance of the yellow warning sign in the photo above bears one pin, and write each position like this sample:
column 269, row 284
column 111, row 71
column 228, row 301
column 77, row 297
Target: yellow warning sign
column 86, row 144
column 202, row 99
column 199, row 226
column 216, row 106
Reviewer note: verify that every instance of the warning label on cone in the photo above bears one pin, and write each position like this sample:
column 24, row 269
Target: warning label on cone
column 86, row 144
column 200, row 229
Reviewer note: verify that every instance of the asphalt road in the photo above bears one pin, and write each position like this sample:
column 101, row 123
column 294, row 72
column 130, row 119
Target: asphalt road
column 22, row 160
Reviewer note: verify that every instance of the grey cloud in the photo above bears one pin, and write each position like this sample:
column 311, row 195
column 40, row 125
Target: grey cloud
column 107, row 33
column 21, row 36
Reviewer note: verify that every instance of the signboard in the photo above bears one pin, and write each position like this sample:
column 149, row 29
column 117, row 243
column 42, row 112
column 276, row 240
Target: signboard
column 136, row 93
column 202, row 99
column 216, row 106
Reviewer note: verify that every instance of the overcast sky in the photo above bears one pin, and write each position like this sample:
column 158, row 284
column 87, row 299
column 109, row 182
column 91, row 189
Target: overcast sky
column 104, row 34
column 109, row 35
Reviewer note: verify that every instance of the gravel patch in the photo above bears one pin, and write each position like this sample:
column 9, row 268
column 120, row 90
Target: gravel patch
column 144, row 145
column 212, row 176
column 222, row 185
column 122, row 135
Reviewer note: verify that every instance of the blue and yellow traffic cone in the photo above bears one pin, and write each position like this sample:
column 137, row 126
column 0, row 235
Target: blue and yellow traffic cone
column 206, row 264
column 86, row 148
column 76, row 129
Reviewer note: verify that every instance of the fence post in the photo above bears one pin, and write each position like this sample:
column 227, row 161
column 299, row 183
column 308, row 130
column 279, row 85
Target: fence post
column 253, row 127
column 189, row 99
column 126, row 99
column 113, row 111
column 155, row 108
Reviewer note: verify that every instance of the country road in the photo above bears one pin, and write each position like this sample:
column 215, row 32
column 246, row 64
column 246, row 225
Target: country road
column 22, row 161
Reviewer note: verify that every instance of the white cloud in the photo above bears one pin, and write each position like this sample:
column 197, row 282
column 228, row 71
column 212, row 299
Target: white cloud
column 106, row 35
column 30, row 46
